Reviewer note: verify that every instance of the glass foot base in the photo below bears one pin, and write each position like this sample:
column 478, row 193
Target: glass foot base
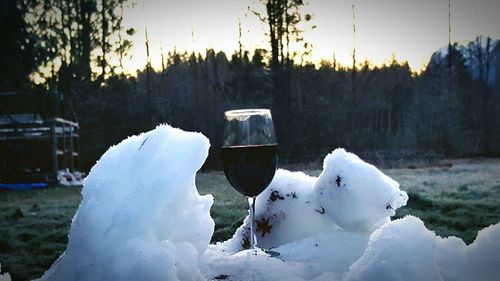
column 258, row 252
column 272, row 253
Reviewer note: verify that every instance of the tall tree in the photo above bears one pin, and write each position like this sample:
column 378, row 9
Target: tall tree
column 16, row 61
column 112, row 38
column 283, row 18
column 72, row 36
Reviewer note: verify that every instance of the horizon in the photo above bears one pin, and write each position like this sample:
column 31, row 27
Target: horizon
column 410, row 31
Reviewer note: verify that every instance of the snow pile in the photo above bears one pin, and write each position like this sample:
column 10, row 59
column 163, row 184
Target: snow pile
column 406, row 250
column 355, row 194
column 322, row 256
column 5, row 276
column 400, row 250
column 67, row 178
column 349, row 195
column 287, row 210
column 141, row 217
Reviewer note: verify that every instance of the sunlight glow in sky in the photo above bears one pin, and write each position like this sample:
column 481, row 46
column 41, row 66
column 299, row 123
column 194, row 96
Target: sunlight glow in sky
column 410, row 29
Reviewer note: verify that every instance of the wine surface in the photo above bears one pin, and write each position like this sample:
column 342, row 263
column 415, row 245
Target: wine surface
column 250, row 169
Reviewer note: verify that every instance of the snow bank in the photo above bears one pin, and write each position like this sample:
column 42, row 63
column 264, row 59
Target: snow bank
column 141, row 217
column 67, row 178
column 403, row 249
column 355, row 194
column 349, row 195
column 286, row 211
column 5, row 276
column 406, row 250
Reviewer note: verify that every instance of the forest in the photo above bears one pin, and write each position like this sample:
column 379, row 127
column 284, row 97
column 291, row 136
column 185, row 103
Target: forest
column 74, row 50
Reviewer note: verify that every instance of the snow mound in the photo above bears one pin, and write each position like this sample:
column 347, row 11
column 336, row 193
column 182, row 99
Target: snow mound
column 287, row 210
column 67, row 178
column 141, row 217
column 355, row 194
column 403, row 249
column 406, row 250
column 349, row 195
column 5, row 276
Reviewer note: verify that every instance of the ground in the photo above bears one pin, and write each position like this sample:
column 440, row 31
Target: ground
column 452, row 197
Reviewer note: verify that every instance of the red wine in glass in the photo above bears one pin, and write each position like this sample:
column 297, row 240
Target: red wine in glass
column 249, row 156
column 249, row 168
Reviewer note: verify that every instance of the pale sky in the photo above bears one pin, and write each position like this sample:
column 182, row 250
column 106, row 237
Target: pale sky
column 412, row 30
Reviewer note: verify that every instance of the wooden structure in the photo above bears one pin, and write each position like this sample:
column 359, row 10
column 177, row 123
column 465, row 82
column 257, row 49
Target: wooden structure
column 34, row 149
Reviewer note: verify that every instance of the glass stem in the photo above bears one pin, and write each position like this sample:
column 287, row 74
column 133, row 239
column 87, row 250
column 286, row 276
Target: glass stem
column 253, row 238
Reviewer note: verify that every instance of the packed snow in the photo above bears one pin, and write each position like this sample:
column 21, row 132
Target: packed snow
column 5, row 276
column 141, row 218
column 349, row 195
column 67, row 178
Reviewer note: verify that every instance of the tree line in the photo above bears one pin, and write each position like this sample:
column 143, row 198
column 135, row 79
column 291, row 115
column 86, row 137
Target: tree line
column 388, row 110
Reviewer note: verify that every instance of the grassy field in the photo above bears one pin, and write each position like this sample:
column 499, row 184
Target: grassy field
column 452, row 197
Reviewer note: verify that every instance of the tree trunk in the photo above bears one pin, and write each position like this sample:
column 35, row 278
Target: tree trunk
column 85, row 38
column 104, row 35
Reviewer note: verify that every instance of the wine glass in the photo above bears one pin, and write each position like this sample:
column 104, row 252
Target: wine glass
column 249, row 156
